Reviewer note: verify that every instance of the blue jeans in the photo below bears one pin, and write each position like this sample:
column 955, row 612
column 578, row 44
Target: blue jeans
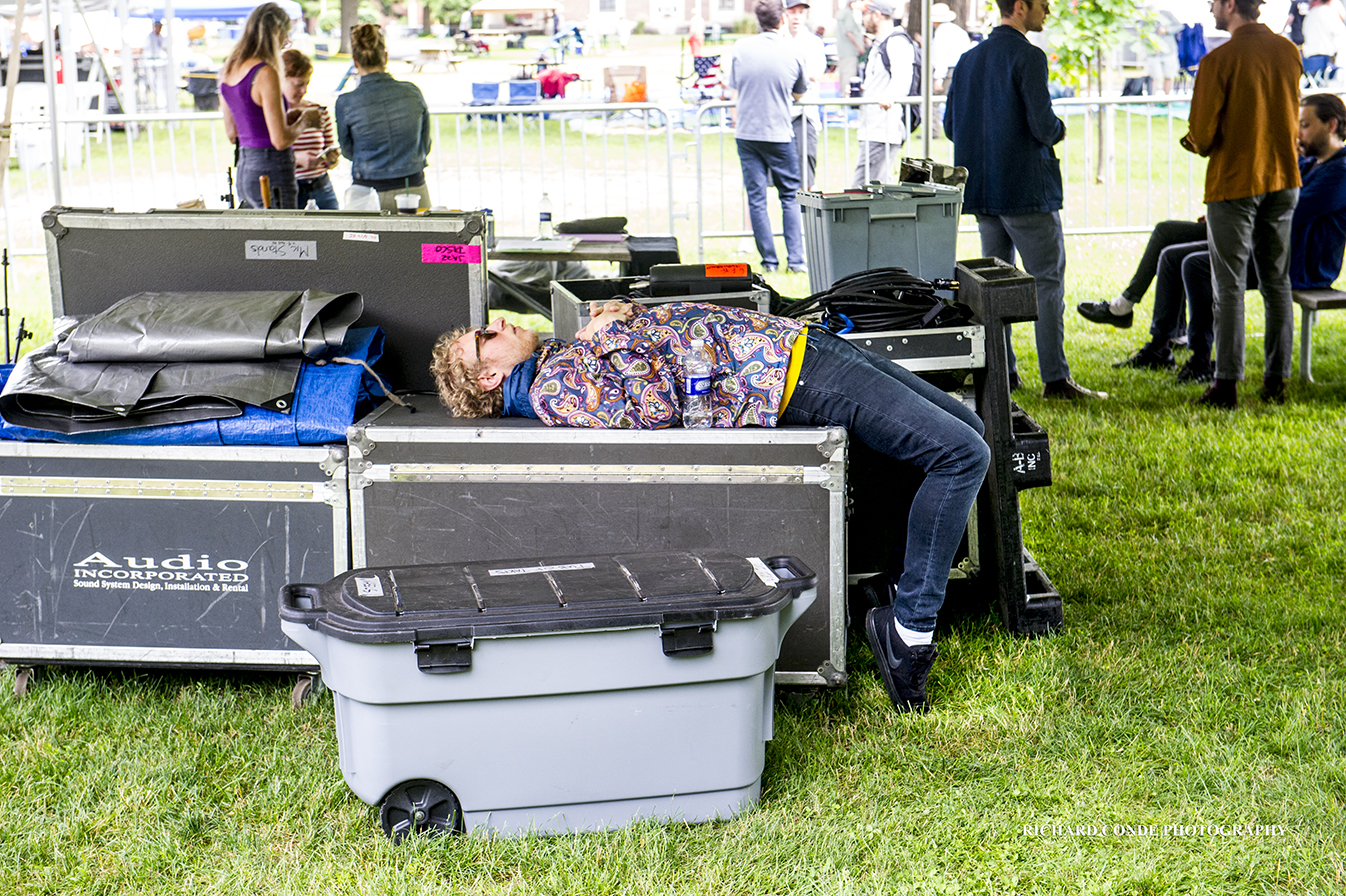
column 1038, row 238
column 1258, row 226
column 765, row 165
column 320, row 191
column 902, row 416
column 277, row 164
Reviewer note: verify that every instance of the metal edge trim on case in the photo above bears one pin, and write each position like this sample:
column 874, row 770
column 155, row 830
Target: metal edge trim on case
column 245, row 453
column 155, row 656
column 178, row 489
column 812, row 679
column 575, row 435
column 596, row 473
column 284, row 220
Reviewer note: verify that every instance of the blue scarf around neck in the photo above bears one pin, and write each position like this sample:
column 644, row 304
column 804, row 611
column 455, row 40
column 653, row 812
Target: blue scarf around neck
column 515, row 388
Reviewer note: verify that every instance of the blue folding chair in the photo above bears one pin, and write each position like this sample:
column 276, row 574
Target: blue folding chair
column 485, row 93
column 522, row 93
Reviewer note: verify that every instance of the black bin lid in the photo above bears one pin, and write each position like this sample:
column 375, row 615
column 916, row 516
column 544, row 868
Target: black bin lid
column 541, row 595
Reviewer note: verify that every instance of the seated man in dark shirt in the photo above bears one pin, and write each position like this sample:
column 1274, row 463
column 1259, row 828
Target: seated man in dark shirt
column 625, row 369
column 1317, row 241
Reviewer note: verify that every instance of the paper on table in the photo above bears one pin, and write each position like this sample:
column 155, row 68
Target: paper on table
column 519, row 244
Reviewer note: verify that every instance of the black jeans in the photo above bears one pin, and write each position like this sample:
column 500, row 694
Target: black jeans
column 1165, row 234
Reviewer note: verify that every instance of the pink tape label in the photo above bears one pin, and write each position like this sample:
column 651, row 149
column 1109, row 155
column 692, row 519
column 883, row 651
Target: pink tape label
column 441, row 253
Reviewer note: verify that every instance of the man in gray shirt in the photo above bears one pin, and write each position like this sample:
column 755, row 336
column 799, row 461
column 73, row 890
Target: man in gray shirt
column 766, row 76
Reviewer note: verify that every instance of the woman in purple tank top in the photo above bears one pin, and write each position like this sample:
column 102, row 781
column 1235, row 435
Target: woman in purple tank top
column 255, row 117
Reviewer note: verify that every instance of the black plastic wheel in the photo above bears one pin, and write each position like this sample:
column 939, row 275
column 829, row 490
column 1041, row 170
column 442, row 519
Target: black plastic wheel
column 420, row 807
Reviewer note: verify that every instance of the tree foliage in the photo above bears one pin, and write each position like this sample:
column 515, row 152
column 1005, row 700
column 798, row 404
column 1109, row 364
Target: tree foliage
column 1083, row 31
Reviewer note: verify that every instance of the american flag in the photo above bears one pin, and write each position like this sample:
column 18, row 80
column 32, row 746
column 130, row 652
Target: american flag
column 707, row 83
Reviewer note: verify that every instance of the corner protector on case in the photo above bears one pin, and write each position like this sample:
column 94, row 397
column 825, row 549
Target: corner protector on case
column 834, row 677
column 360, row 441
column 828, row 446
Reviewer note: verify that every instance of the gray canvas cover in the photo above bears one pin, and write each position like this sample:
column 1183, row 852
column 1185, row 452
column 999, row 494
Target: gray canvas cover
column 159, row 358
column 215, row 326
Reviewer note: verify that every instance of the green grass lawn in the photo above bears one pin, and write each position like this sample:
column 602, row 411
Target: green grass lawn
column 1197, row 682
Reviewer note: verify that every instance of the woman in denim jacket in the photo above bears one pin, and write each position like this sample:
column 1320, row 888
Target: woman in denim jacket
column 383, row 125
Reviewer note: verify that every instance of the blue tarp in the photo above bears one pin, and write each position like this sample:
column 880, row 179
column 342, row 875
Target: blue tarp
column 328, row 398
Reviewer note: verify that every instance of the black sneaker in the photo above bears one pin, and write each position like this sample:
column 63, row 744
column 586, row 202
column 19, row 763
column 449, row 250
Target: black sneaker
column 1150, row 358
column 1101, row 313
column 904, row 669
column 1197, row 370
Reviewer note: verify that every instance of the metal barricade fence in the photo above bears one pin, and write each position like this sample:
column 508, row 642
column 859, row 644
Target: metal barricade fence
column 669, row 169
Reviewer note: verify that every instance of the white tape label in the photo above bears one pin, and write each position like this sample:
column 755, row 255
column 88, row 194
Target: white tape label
column 525, row 570
column 280, row 250
column 360, row 237
column 764, row 572
column 368, row 587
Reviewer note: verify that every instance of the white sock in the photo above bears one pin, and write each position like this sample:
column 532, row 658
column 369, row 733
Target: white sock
column 911, row 638
column 1121, row 305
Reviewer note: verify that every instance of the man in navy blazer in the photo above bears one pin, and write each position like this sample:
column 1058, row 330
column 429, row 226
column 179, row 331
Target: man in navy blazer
column 999, row 116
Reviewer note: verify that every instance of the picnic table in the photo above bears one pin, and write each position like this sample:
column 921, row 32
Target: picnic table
column 437, row 52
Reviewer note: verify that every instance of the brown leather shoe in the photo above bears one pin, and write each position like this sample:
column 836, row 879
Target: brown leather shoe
column 1069, row 390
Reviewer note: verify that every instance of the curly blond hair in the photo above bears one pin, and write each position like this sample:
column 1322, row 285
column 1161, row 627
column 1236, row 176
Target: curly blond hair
column 456, row 380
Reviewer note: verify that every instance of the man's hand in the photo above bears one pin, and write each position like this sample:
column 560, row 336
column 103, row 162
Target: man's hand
column 601, row 313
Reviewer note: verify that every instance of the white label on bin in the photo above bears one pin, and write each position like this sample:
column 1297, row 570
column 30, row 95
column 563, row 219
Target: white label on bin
column 359, row 237
column 368, row 587
column 280, row 250
column 525, row 570
column 764, row 572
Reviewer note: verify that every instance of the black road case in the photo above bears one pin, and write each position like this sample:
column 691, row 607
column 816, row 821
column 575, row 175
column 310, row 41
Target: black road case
column 420, row 275
column 162, row 556
column 429, row 488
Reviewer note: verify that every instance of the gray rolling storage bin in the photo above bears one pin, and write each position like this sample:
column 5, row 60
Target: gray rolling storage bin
column 162, row 556
column 570, row 300
column 553, row 694
column 420, row 275
column 429, row 488
column 912, row 226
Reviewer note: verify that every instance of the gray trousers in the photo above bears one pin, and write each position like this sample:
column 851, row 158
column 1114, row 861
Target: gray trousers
column 1040, row 242
column 876, row 162
column 1258, row 226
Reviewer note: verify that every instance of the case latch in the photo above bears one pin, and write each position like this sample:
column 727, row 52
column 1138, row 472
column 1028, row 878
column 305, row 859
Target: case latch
column 688, row 635
column 439, row 655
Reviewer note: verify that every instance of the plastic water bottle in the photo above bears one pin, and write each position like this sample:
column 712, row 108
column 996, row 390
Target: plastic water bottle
column 544, row 231
column 311, row 206
column 696, row 371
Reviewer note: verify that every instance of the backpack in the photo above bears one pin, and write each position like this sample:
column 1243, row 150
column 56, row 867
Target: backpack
column 913, row 113
column 1191, row 46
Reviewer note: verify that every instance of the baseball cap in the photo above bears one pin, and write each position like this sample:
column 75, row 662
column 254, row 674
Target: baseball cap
column 791, row 4
column 881, row 7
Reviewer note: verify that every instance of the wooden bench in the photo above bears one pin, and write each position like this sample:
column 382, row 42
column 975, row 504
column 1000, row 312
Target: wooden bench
column 1311, row 301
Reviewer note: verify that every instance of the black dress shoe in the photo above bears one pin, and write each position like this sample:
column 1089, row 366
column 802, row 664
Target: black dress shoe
column 1014, row 381
column 1222, row 394
column 1197, row 370
column 904, row 669
column 1101, row 313
column 1150, row 358
column 1069, row 390
column 1273, row 389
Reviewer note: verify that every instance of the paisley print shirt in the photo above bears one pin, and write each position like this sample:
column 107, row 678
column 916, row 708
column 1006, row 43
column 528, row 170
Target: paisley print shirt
column 630, row 376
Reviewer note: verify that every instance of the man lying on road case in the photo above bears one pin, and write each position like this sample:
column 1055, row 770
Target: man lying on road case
column 625, row 371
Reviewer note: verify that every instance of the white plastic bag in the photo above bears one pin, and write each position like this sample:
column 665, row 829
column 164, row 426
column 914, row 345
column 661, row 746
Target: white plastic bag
column 361, row 198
